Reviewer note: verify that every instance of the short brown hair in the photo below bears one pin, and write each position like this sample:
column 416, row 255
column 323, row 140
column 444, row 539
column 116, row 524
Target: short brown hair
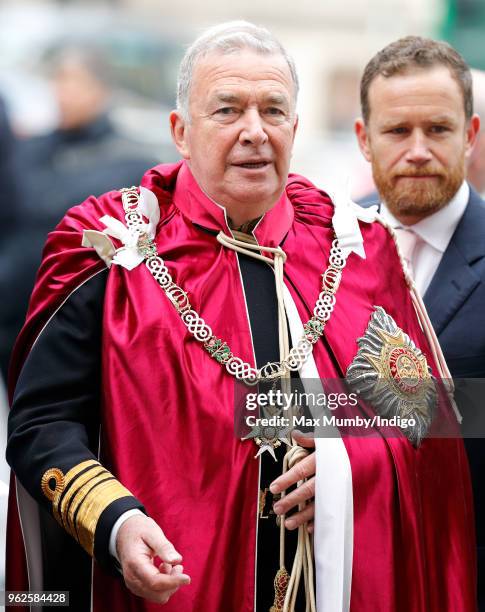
column 415, row 51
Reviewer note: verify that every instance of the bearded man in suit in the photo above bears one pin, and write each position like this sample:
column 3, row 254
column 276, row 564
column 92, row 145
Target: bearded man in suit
column 418, row 131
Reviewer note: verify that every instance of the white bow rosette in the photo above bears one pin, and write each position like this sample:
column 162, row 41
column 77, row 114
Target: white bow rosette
column 346, row 219
column 129, row 255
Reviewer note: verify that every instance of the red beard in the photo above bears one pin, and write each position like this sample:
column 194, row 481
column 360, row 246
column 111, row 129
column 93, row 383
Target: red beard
column 418, row 197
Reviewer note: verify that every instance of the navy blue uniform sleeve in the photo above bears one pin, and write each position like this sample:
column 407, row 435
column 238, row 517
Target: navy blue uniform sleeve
column 54, row 424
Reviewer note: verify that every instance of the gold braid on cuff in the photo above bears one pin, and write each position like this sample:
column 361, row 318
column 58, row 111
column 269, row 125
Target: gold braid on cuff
column 80, row 496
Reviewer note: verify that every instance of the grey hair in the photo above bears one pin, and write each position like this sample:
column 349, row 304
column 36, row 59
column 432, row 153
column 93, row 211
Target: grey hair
column 226, row 38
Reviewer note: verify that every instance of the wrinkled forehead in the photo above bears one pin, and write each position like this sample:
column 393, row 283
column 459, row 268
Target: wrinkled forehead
column 241, row 68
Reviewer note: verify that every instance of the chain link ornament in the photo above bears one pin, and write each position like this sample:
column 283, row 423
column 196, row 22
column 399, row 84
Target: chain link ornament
column 324, row 306
column 158, row 270
column 242, row 370
column 331, row 279
column 130, row 199
column 272, row 370
column 145, row 246
column 177, row 296
column 298, row 354
column 337, row 259
column 196, row 325
column 217, row 348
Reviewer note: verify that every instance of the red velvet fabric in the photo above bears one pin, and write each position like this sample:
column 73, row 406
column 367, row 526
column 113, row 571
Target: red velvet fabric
column 168, row 428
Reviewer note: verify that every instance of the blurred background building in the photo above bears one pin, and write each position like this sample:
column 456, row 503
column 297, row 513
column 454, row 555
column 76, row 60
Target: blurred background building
column 139, row 44
column 144, row 39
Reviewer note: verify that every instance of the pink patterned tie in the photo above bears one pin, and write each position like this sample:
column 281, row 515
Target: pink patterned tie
column 407, row 241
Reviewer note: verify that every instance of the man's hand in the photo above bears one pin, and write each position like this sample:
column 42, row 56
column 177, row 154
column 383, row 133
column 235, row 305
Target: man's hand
column 303, row 469
column 138, row 541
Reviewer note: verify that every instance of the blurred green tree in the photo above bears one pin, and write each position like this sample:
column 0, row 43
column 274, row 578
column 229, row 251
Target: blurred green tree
column 463, row 27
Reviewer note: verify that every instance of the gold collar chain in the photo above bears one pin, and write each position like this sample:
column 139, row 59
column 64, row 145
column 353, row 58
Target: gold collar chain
column 217, row 348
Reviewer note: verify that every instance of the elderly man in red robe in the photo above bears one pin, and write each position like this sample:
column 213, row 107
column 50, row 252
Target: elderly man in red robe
column 151, row 304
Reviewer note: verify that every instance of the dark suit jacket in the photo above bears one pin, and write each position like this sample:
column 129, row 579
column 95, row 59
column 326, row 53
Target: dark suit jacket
column 455, row 300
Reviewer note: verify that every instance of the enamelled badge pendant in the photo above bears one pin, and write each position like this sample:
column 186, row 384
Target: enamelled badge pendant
column 392, row 374
column 268, row 437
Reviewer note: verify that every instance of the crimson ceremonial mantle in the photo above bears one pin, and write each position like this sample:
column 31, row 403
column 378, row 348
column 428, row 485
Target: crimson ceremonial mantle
column 167, row 407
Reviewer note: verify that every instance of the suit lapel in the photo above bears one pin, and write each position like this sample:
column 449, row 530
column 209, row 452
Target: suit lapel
column 455, row 278
column 452, row 283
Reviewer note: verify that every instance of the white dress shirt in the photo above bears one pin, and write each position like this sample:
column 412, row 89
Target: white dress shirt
column 434, row 234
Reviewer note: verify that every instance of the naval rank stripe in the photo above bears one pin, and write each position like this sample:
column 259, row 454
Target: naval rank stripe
column 80, row 496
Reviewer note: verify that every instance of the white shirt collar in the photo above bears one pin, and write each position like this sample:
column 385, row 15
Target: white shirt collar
column 438, row 228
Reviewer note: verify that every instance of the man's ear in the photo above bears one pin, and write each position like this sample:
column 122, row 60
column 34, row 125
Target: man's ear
column 178, row 128
column 362, row 138
column 472, row 130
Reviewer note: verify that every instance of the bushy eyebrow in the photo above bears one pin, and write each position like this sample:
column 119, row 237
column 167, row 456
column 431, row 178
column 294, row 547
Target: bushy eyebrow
column 437, row 120
column 232, row 98
column 227, row 98
column 277, row 99
column 390, row 124
column 442, row 119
